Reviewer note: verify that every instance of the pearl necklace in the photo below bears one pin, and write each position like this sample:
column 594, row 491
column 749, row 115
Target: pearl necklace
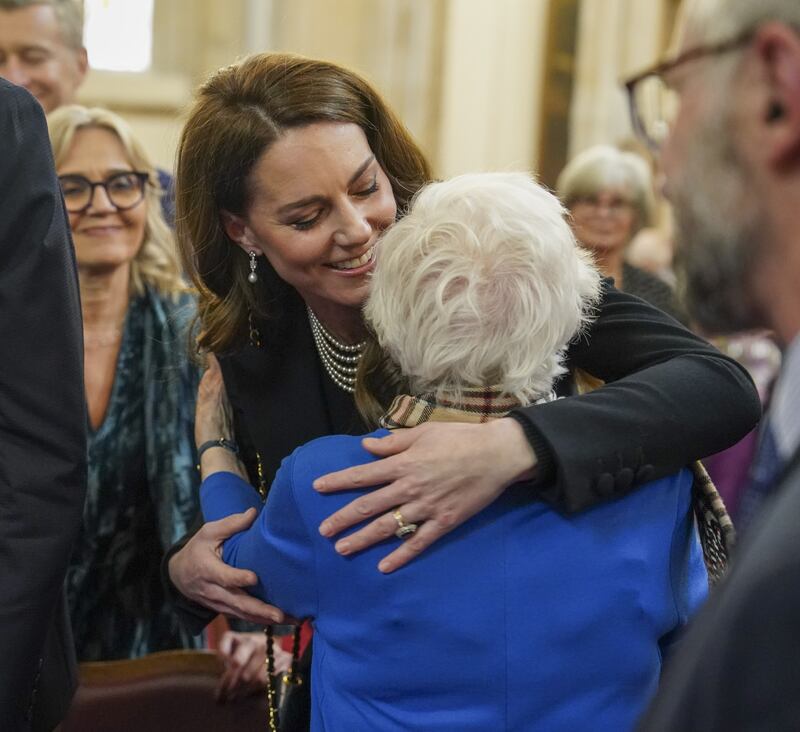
column 339, row 359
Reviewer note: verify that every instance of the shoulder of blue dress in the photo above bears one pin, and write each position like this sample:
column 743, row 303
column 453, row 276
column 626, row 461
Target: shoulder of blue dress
column 334, row 443
column 680, row 478
column 334, row 451
column 679, row 484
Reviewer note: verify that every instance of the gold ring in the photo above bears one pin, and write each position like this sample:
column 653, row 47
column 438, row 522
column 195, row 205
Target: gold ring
column 404, row 529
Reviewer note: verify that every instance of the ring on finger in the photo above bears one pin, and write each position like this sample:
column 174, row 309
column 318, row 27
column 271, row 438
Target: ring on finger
column 404, row 528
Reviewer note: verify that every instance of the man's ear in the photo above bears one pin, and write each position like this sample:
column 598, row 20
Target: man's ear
column 82, row 61
column 778, row 48
column 237, row 231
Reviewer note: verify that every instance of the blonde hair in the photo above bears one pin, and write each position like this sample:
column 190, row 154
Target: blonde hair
column 156, row 264
column 481, row 284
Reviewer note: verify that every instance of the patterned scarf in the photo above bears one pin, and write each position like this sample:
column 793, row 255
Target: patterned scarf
column 474, row 405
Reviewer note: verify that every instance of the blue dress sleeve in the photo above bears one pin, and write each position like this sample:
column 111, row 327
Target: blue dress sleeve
column 278, row 546
column 688, row 574
column 223, row 494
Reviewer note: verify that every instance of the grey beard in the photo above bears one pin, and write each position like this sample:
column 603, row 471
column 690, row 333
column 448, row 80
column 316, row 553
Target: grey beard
column 713, row 276
column 718, row 234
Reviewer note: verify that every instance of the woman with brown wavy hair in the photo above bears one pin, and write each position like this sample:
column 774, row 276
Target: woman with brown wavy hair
column 288, row 171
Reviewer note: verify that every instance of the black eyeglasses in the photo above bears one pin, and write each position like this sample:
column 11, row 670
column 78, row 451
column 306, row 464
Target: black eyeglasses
column 653, row 104
column 124, row 190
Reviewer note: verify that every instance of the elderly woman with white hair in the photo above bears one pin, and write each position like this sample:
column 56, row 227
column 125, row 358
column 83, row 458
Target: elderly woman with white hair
column 609, row 193
column 520, row 618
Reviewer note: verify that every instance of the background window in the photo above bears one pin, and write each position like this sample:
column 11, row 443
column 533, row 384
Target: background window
column 118, row 34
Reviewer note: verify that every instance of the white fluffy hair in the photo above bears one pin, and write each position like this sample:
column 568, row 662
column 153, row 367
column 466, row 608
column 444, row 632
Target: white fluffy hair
column 482, row 283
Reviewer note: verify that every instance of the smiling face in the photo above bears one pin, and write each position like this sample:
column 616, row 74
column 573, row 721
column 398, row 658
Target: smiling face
column 105, row 238
column 319, row 201
column 605, row 221
column 33, row 54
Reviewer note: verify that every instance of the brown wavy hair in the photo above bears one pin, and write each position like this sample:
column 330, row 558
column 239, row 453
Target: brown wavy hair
column 238, row 113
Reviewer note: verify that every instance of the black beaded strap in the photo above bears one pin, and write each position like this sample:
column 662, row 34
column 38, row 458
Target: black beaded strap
column 219, row 442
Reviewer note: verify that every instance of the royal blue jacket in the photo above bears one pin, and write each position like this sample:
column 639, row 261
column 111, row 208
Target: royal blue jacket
column 519, row 619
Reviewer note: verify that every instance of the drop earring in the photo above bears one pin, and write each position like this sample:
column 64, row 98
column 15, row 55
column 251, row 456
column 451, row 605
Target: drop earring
column 252, row 278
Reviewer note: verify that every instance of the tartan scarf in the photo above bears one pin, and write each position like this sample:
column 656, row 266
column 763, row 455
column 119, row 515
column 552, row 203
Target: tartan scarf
column 474, row 405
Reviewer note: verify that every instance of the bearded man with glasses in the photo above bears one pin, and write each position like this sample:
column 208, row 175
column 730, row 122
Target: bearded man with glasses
column 725, row 116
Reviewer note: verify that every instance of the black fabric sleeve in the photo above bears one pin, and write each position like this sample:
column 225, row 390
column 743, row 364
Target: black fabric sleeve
column 42, row 405
column 670, row 398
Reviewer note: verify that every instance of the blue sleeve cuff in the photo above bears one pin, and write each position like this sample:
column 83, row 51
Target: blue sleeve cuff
column 223, row 494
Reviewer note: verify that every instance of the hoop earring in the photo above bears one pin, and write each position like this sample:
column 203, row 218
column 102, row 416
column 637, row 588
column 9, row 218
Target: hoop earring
column 252, row 278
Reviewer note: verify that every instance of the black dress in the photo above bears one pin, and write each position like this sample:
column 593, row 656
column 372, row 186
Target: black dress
column 649, row 288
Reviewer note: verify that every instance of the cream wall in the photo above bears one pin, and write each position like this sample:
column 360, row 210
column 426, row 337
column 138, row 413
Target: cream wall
column 152, row 103
column 615, row 39
column 491, row 89
column 465, row 75
column 396, row 44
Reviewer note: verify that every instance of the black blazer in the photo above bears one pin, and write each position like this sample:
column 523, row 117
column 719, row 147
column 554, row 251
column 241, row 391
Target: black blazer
column 738, row 666
column 671, row 398
column 42, row 421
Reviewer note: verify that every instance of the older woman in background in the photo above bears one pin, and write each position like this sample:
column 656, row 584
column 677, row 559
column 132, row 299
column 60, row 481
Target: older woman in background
column 476, row 294
column 140, row 388
column 609, row 194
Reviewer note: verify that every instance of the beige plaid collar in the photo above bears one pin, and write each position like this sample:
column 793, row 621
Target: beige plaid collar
column 474, row 405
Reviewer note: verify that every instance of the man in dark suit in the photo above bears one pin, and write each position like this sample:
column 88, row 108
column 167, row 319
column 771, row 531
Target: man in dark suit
column 42, row 422
column 731, row 156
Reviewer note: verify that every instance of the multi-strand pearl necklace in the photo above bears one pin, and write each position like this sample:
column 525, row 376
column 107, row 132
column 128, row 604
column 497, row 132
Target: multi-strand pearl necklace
column 339, row 359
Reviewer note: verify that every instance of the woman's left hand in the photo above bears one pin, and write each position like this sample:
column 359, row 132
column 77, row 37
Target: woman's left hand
column 437, row 475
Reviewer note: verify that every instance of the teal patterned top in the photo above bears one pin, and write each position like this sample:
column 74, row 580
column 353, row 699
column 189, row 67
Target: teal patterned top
column 142, row 489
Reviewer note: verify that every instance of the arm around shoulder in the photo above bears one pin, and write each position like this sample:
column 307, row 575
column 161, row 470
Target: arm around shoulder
column 670, row 398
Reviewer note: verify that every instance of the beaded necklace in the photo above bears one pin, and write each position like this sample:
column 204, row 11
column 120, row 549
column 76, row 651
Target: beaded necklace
column 339, row 359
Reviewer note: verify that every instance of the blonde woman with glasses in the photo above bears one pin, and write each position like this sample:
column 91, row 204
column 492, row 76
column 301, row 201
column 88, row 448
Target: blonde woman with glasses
column 140, row 387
